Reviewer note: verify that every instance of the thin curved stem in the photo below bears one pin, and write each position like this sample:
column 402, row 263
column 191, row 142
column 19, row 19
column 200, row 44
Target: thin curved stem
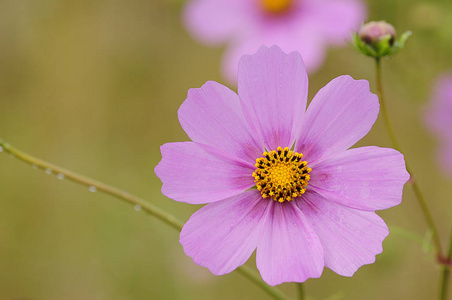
column 301, row 292
column 139, row 203
column 384, row 111
column 445, row 275
column 417, row 191
column 94, row 185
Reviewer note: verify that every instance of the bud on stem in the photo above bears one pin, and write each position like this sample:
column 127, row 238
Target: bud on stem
column 378, row 39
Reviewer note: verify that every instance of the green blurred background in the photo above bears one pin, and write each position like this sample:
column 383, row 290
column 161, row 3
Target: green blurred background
column 94, row 86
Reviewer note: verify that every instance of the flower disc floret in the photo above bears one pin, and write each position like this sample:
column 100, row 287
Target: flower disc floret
column 276, row 6
column 281, row 174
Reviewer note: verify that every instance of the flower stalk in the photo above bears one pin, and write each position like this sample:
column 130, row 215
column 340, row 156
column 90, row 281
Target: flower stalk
column 413, row 183
column 442, row 260
column 301, row 292
column 384, row 111
column 445, row 275
column 138, row 202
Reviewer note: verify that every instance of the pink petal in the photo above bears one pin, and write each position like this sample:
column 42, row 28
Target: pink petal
column 350, row 238
column 367, row 178
column 288, row 249
column 340, row 114
column 215, row 21
column 221, row 236
column 196, row 173
column 310, row 45
column 212, row 115
column 438, row 116
column 312, row 48
column 273, row 88
column 335, row 20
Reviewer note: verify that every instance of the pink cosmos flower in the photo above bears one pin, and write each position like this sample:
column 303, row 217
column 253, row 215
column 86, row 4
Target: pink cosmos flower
column 280, row 178
column 439, row 119
column 306, row 26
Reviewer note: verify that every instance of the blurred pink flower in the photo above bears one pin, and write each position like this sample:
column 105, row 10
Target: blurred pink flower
column 303, row 209
column 306, row 26
column 439, row 119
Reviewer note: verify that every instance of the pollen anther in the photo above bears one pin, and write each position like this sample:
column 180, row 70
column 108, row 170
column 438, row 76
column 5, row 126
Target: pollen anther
column 281, row 174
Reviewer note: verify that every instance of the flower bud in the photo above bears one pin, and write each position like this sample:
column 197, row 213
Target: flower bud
column 378, row 39
column 373, row 32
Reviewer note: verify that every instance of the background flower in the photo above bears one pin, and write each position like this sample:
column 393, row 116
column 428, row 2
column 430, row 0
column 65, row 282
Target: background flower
column 332, row 224
column 306, row 26
column 439, row 119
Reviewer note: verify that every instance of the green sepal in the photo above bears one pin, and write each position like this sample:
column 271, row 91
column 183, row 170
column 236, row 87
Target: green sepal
column 400, row 42
column 362, row 47
column 382, row 48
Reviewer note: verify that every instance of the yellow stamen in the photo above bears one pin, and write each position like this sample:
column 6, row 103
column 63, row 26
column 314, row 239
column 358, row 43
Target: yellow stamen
column 276, row 6
column 281, row 174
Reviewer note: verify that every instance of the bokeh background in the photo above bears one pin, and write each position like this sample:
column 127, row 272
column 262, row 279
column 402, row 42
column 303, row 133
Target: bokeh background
column 95, row 85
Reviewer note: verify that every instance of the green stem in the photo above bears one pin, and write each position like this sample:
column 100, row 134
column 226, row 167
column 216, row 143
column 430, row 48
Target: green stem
column 445, row 275
column 301, row 292
column 94, row 185
column 383, row 106
column 417, row 191
column 127, row 197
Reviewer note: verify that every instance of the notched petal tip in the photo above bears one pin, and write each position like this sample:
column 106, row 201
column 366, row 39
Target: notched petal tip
column 158, row 167
column 348, row 80
column 212, row 115
column 271, row 51
column 341, row 113
column 367, row 178
column 272, row 87
column 351, row 238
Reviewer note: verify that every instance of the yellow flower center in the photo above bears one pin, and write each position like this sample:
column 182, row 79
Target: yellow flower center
column 276, row 6
column 281, row 174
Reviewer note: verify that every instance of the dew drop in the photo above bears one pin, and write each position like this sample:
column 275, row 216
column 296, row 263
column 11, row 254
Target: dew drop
column 60, row 176
column 92, row 189
column 34, row 166
column 48, row 171
column 137, row 207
